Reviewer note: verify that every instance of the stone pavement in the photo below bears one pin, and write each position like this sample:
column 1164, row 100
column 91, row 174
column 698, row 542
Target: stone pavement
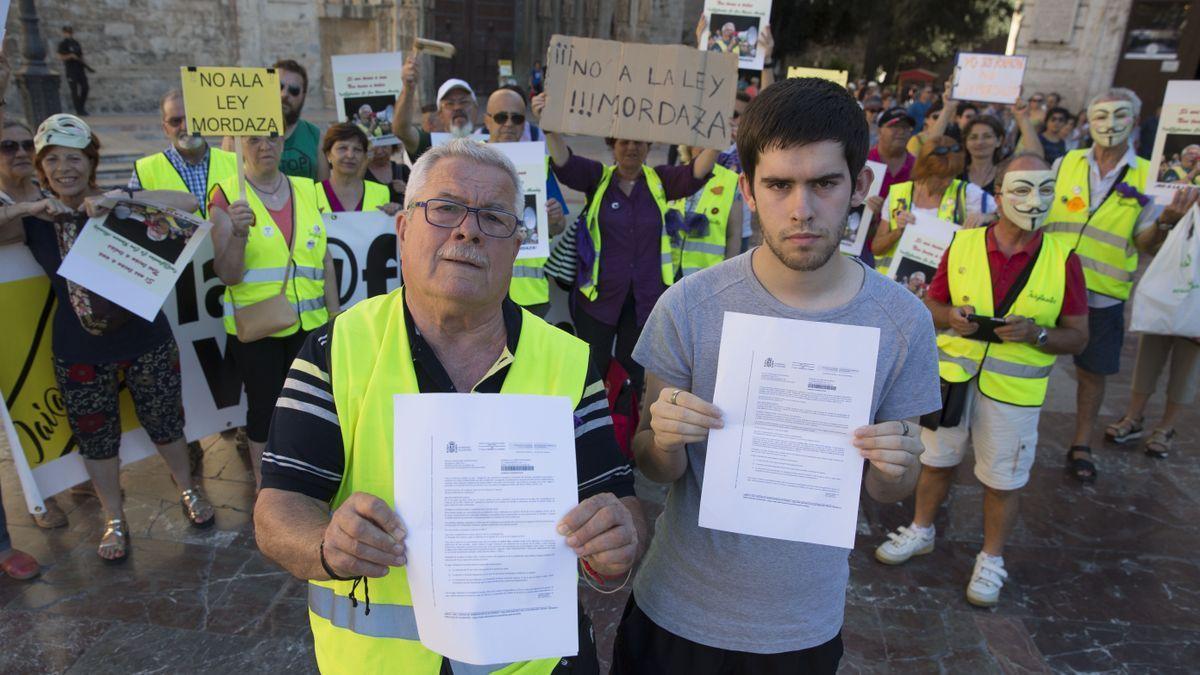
column 1102, row 578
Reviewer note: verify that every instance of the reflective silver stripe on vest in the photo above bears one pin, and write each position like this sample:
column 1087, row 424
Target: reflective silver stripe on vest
column 521, row 271
column 994, row 365
column 665, row 259
column 460, row 668
column 261, row 274
column 1073, row 228
column 703, row 247
column 314, row 273
column 691, row 270
column 1105, row 269
column 1106, row 237
column 384, row 621
column 966, row 364
column 310, row 305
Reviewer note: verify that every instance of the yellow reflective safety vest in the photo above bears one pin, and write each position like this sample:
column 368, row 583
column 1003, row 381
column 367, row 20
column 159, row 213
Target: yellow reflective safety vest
column 375, row 195
column 1011, row 372
column 529, row 285
column 156, row 172
column 953, row 208
column 1103, row 240
column 666, row 264
column 267, row 256
column 715, row 202
column 371, row 362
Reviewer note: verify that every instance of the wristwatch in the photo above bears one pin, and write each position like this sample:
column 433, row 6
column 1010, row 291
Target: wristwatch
column 1043, row 337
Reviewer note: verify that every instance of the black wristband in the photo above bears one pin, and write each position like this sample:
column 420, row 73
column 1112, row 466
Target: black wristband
column 325, row 565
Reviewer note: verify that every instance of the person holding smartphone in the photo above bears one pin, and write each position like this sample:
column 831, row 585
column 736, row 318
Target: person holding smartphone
column 1033, row 287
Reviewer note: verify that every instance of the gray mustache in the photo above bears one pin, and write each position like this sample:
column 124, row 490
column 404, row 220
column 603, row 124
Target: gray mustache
column 463, row 254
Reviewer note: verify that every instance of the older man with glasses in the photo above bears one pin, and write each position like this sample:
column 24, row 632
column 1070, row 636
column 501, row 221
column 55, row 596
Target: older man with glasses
column 327, row 509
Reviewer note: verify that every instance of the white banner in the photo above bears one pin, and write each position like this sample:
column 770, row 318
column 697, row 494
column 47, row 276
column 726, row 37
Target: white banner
column 33, row 414
column 365, row 256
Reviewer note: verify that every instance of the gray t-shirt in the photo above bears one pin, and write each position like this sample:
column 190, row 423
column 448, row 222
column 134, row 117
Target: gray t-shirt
column 741, row 592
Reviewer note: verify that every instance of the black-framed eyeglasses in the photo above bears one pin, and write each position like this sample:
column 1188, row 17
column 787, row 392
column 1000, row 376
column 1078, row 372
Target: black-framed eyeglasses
column 496, row 223
column 502, row 118
column 290, row 88
column 174, row 122
column 945, row 149
column 11, row 147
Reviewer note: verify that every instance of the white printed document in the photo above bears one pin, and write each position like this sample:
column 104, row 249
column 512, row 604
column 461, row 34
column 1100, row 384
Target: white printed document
column 791, row 393
column 481, row 482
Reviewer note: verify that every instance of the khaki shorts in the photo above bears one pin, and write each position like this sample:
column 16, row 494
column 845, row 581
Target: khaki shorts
column 1003, row 436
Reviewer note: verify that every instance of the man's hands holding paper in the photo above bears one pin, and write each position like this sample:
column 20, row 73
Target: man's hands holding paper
column 364, row 538
column 601, row 531
column 892, row 449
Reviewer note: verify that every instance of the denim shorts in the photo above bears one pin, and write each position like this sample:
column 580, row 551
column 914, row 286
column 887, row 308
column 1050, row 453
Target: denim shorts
column 1106, row 335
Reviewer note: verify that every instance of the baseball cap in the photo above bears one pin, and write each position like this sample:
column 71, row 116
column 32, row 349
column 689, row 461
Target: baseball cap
column 452, row 84
column 893, row 115
column 66, row 130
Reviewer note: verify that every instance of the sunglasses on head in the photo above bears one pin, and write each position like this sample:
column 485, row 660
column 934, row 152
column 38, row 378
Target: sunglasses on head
column 289, row 88
column 174, row 122
column 946, row 149
column 503, row 118
column 10, row 147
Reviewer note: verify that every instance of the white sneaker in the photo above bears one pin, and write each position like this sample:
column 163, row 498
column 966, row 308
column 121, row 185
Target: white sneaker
column 986, row 581
column 903, row 544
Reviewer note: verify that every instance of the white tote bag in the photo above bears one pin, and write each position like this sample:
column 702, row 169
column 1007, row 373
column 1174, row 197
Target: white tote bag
column 1167, row 300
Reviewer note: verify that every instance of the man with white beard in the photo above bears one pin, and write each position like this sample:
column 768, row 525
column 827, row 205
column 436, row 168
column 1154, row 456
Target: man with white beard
column 457, row 109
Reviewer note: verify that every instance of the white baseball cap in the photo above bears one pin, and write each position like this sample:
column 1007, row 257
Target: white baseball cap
column 452, row 84
column 66, row 130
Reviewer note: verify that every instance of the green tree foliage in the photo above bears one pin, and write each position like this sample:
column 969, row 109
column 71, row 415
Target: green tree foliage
column 899, row 33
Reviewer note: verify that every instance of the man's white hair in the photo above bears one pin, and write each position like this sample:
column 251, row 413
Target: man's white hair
column 1119, row 93
column 470, row 150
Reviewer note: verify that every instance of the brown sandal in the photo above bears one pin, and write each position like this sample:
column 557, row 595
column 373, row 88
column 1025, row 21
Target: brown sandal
column 197, row 509
column 1125, row 429
column 1159, row 445
column 52, row 518
column 116, row 527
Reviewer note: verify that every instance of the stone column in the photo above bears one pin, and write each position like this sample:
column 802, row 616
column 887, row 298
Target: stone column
column 39, row 86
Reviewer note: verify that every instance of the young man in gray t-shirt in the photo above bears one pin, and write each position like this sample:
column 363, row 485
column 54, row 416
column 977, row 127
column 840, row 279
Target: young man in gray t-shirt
column 708, row 601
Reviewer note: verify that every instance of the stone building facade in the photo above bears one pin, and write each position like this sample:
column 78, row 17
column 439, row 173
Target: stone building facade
column 138, row 46
column 1079, row 48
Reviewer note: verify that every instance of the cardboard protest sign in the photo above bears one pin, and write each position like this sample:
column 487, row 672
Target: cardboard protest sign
column 1175, row 163
column 920, row 251
column 838, row 76
column 734, row 27
column 659, row 94
column 365, row 258
column 858, row 222
column 34, row 418
column 133, row 255
column 988, row 78
column 365, row 87
column 232, row 101
column 442, row 50
column 530, row 160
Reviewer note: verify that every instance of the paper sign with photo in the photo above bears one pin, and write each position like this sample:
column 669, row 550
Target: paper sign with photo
column 988, row 78
column 365, row 87
column 133, row 255
column 656, row 93
column 734, row 26
column 838, row 76
column 920, row 251
column 530, row 160
column 858, row 222
column 1175, row 163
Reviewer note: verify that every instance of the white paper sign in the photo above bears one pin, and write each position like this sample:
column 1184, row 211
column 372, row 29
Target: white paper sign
column 134, row 255
column 919, row 252
column 1175, row 162
column 530, row 159
column 988, row 78
column 481, row 482
column 364, row 251
column 858, row 222
column 791, row 394
column 734, row 26
column 365, row 87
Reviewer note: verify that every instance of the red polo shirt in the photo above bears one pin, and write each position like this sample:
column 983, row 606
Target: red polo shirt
column 1005, row 271
column 889, row 178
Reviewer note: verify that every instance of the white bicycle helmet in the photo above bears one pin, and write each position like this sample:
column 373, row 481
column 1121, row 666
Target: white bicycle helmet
column 66, row 130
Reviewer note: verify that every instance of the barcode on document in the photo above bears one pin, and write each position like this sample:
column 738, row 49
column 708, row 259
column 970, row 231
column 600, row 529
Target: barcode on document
column 514, row 466
column 824, row 387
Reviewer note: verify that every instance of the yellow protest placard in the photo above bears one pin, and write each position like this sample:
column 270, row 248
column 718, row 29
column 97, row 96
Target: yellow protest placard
column 232, row 101
column 838, row 76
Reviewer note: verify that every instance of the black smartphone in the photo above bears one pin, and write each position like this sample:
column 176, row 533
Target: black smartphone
column 987, row 327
